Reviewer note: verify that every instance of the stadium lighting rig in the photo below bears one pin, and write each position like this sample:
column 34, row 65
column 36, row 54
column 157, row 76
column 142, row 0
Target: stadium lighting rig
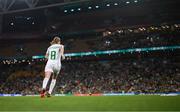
column 103, row 6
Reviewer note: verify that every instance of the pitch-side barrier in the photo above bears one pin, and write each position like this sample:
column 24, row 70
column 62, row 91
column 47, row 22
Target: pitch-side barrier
column 100, row 94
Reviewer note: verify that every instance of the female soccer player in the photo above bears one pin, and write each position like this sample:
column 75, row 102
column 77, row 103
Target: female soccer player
column 53, row 66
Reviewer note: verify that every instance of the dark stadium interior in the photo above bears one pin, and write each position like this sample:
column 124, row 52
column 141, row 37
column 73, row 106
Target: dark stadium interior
column 87, row 26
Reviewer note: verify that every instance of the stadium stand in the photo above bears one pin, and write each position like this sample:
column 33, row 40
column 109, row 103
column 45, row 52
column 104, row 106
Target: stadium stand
column 118, row 76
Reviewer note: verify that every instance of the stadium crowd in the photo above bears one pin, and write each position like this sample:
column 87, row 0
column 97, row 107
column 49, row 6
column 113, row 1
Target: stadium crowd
column 139, row 76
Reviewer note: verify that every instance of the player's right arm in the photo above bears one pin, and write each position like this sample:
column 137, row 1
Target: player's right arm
column 62, row 52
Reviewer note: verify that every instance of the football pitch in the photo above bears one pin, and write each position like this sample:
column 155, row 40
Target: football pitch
column 91, row 103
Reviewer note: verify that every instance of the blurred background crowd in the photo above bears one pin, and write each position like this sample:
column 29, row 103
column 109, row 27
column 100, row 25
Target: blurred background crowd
column 116, row 76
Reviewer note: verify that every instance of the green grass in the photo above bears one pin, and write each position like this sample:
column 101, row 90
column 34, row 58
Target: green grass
column 91, row 103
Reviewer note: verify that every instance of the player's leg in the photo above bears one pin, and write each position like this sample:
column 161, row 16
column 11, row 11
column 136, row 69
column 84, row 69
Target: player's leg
column 52, row 85
column 46, row 79
column 56, row 71
column 45, row 82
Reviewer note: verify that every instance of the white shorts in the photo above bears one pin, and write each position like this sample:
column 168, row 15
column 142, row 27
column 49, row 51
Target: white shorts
column 54, row 68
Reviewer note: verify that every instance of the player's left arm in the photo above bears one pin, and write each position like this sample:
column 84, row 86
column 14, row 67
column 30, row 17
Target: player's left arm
column 47, row 54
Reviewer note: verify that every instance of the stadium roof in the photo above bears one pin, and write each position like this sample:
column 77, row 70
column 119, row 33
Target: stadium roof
column 12, row 6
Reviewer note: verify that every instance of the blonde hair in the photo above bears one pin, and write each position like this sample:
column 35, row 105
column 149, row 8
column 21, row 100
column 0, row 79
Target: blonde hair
column 56, row 40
